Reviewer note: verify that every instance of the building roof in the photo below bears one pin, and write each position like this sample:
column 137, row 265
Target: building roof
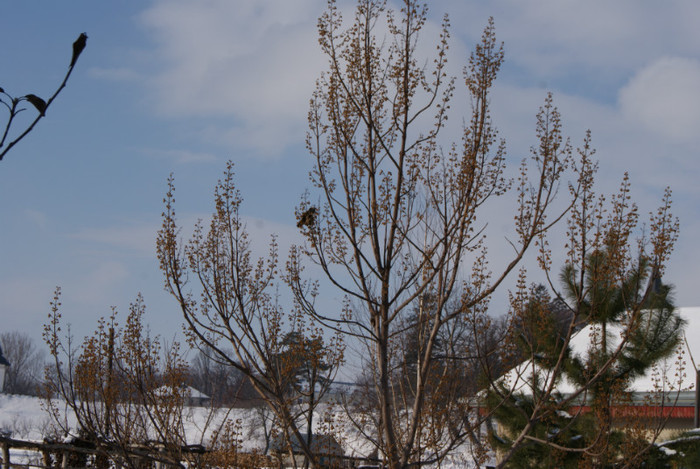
column 672, row 374
column 187, row 392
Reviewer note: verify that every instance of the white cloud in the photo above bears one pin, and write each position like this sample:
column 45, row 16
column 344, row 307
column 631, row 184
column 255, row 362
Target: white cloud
column 255, row 62
column 665, row 98
column 597, row 41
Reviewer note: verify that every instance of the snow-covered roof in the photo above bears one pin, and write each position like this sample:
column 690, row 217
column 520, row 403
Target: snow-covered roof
column 196, row 393
column 674, row 373
column 188, row 391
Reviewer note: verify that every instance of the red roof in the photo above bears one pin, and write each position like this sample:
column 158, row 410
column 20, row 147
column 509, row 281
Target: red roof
column 678, row 412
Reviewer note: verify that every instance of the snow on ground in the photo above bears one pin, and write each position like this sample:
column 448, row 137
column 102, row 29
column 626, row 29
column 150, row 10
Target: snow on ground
column 23, row 417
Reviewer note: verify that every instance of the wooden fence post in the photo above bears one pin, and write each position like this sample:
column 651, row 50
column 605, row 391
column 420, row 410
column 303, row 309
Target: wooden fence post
column 46, row 457
column 6, row 456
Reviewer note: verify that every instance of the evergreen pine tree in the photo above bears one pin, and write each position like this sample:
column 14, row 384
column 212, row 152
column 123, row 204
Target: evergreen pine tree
column 538, row 330
column 636, row 302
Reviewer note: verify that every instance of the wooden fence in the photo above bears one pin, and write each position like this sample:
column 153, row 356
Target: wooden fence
column 82, row 453
column 56, row 455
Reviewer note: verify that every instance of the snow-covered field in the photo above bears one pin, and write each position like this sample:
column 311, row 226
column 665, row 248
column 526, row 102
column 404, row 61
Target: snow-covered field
column 23, row 417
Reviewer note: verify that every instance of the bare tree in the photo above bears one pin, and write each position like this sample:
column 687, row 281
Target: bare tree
column 397, row 221
column 16, row 104
column 26, row 363
column 231, row 307
column 221, row 382
column 126, row 389
column 401, row 217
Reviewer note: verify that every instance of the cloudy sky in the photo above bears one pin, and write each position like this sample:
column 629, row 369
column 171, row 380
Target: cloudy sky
column 183, row 86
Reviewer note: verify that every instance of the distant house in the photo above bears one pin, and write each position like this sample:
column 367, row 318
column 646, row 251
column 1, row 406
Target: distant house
column 667, row 391
column 196, row 397
column 4, row 364
column 192, row 396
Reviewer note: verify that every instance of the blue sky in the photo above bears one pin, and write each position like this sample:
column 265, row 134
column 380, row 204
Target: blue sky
column 182, row 86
